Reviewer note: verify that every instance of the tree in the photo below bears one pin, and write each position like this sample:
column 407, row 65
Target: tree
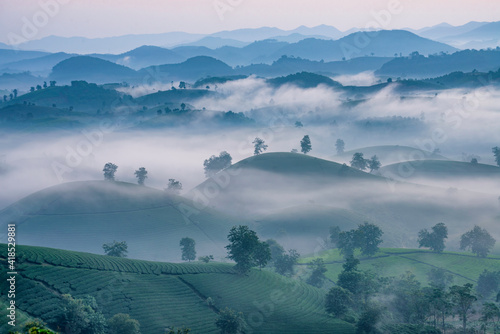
column 358, row 161
column 45, row 84
column 496, row 153
column 318, row 270
column 368, row 237
column 183, row 106
column 491, row 313
column 80, row 316
column 305, row 145
column 215, row 164
column 339, row 146
column 338, row 301
column 206, row 259
column 334, row 235
column 15, row 93
column 188, row 249
column 275, row 248
column 118, row 249
column 182, row 85
column 35, row 326
column 52, row 83
column 298, row 124
column 262, row 254
column 259, row 146
column 439, row 278
column 38, row 87
column 347, row 243
column 374, row 163
column 122, row 324
column 32, row 89
column 478, row 240
column 230, row 322
column 463, row 299
column 435, row 239
column 174, row 186
column 141, row 174
column 109, row 171
column 244, row 248
column 284, row 263
column 368, row 320
column 488, row 283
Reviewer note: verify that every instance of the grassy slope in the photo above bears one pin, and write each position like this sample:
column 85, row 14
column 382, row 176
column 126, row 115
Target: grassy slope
column 464, row 267
column 389, row 154
column 83, row 215
column 443, row 169
column 162, row 295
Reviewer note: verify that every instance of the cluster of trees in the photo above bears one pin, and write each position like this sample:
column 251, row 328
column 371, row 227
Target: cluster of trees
column 402, row 305
column 367, row 237
column 359, row 162
column 11, row 96
column 215, row 164
column 116, row 248
column 82, row 316
column 141, row 174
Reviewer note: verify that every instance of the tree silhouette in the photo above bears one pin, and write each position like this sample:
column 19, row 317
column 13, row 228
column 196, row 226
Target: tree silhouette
column 305, row 145
column 259, row 146
column 188, row 249
column 141, row 174
column 358, row 161
column 109, row 171
column 340, row 146
column 478, row 240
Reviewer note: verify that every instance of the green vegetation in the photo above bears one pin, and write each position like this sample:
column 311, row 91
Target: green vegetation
column 118, row 249
column 167, row 295
column 188, row 249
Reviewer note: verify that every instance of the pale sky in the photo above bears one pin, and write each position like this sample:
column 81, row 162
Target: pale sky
column 102, row 18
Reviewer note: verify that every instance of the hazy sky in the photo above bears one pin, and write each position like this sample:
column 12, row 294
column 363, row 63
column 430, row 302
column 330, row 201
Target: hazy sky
column 100, row 18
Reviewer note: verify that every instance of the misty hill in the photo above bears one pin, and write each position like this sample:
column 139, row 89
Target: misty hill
column 12, row 55
column 39, row 66
column 83, row 215
column 176, row 96
column 483, row 36
column 91, row 69
column 389, row 154
column 419, row 66
column 386, row 43
column 447, row 169
column 212, row 42
column 202, row 83
column 165, row 295
column 19, row 81
column 192, row 69
column 144, row 56
column 80, row 95
column 441, row 31
column 32, row 118
column 304, row 80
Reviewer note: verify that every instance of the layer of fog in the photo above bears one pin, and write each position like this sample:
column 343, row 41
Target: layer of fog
column 361, row 79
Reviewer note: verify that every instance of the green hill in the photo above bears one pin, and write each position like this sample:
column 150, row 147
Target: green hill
column 164, row 295
column 445, row 169
column 389, row 154
column 82, row 216
column 464, row 267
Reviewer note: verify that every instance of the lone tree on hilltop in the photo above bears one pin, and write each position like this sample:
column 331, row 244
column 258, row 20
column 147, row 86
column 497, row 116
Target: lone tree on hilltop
column 374, row 163
column 358, row 161
column 230, row 322
column 215, row 164
column 259, row 146
column 188, row 249
column 174, row 186
column 435, row 239
column 478, row 240
column 141, row 174
column 118, row 249
column 496, row 153
column 109, row 171
column 305, row 145
column 340, row 146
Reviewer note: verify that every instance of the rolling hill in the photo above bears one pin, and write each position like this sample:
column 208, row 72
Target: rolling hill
column 283, row 189
column 464, row 267
column 165, row 295
column 91, row 69
column 83, row 216
column 38, row 66
column 389, row 154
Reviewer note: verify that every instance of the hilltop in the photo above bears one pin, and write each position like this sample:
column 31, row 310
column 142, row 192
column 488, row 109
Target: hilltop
column 83, row 216
column 165, row 295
